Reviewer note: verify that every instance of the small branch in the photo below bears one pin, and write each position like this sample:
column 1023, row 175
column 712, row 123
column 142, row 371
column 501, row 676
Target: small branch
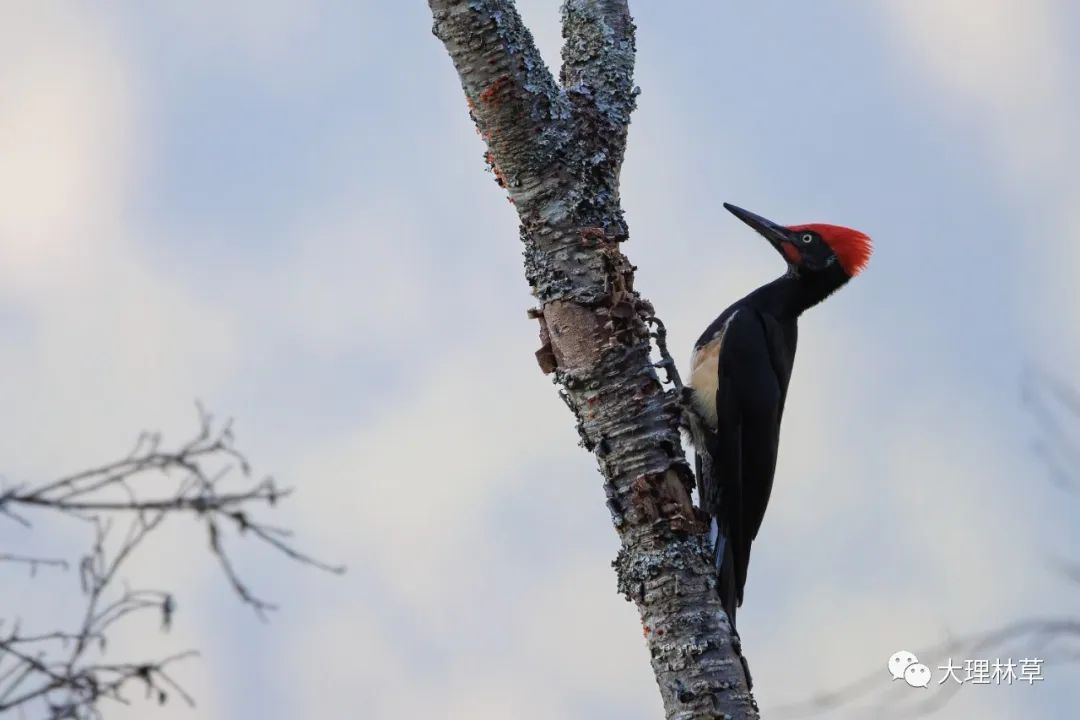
column 34, row 562
column 518, row 109
column 1055, row 407
column 58, row 670
column 598, row 76
column 197, row 504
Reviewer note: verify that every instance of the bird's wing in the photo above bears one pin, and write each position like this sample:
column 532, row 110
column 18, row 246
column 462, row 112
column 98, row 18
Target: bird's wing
column 748, row 401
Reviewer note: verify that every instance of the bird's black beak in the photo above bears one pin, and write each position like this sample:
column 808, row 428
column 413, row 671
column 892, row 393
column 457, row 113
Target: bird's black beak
column 773, row 232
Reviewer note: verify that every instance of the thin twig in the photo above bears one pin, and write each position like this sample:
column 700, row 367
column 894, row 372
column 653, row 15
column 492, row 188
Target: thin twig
column 61, row 671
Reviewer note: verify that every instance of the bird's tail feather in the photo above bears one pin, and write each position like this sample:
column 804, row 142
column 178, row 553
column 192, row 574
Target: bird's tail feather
column 724, row 559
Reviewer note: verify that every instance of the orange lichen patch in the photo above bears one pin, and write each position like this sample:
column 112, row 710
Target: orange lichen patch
column 489, row 93
column 592, row 233
column 852, row 247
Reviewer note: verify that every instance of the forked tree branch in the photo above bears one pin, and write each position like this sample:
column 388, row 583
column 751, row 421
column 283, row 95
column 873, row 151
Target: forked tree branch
column 558, row 150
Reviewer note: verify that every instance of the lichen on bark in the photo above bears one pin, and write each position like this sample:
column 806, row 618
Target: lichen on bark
column 557, row 149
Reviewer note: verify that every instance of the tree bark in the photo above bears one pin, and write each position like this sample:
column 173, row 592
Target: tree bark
column 557, row 148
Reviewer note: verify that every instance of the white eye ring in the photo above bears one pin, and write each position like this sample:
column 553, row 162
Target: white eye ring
column 807, row 239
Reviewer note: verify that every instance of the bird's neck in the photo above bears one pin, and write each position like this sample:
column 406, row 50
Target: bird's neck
column 797, row 291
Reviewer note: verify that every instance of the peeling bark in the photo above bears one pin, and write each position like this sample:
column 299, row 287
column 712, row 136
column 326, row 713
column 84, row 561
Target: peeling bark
column 557, row 148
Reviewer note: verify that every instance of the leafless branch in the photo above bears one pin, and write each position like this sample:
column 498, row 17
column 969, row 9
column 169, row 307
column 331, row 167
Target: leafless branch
column 1055, row 407
column 598, row 77
column 64, row 672
column 34, row 562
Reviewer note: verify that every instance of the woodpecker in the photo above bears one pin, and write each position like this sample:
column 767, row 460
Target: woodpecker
column 739, row 376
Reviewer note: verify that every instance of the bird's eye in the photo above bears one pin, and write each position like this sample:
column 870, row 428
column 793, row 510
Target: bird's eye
column 807, row 239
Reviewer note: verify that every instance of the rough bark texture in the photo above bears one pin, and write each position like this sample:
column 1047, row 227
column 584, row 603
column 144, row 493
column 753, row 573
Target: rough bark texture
column 557, row 148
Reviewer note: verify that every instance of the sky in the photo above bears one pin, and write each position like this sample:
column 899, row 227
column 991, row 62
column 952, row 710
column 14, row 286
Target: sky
column 283, row 212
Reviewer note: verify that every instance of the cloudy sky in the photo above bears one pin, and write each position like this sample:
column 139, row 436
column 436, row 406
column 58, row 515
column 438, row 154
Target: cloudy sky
column 284, row 212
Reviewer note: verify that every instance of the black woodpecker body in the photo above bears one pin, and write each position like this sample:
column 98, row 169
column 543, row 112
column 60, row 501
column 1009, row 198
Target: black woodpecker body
column 739, row 376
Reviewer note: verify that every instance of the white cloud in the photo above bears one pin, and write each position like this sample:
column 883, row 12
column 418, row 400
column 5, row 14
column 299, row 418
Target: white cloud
column 1003, row 70
column 424, row 474
column 66, row 136
column 111, row 341
column 268, row 37
column 359, row 277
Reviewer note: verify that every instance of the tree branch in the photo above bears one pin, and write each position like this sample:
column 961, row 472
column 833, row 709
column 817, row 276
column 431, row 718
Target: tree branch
column 63, row 672
column 558, row 152
column 598, row 74
column 518, row 109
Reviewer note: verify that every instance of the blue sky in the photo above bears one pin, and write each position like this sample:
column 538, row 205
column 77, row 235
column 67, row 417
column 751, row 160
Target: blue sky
column 284, row 212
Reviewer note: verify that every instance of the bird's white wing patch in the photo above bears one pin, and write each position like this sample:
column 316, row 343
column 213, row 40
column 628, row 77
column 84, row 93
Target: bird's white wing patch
column 704, row 373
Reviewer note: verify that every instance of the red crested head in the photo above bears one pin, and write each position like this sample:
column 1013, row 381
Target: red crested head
column 812, row 248
column 852, row 248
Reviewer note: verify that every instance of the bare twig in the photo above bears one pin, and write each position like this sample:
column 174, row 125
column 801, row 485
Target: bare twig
column 63, row 672
column 34, row 562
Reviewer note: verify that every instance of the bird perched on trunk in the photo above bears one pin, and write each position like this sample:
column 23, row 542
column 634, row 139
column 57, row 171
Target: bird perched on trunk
column 739, row 379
